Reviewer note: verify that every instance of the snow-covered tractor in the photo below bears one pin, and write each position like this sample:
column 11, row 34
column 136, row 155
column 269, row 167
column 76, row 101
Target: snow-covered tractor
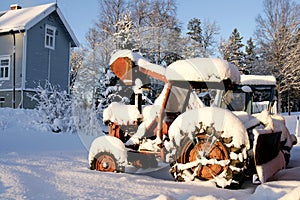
column 215, row 142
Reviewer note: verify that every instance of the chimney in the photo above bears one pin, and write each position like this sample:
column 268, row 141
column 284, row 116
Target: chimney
column 15, row 7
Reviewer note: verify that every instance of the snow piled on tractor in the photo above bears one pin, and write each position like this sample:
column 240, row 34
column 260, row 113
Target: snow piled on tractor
column 120, row 113
column 220, row 119
column 202, row 70
column 258, row 80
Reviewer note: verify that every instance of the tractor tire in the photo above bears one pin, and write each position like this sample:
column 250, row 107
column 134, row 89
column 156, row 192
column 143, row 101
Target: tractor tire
column 107, row 154
column 106, row 162
column 208, row 144
column 201, row 148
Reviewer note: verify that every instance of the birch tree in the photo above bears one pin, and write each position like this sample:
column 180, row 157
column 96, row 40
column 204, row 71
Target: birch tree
column 276, row 34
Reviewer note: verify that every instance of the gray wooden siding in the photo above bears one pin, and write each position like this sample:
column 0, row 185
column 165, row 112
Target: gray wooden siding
column 7, row 95
column 6, row 48
column 47, row 64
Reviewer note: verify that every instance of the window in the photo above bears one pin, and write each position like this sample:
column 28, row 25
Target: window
column 50, row 37
column 4, row 67
column 2, row 99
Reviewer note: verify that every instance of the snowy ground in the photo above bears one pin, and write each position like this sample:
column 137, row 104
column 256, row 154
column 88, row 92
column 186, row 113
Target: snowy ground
column 35, row 164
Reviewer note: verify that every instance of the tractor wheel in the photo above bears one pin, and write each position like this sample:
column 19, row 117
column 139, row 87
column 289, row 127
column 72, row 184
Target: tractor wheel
column 207, row 158
column 208, row 144
column 106, row 162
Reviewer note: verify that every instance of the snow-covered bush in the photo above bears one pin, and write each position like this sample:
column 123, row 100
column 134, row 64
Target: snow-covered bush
column 54, row 108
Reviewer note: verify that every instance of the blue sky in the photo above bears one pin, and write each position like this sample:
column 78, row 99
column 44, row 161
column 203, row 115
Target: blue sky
column 228, row 14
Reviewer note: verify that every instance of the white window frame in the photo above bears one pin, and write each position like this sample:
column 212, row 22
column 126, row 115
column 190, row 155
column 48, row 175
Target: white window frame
column 50, row 32
column 5, row 69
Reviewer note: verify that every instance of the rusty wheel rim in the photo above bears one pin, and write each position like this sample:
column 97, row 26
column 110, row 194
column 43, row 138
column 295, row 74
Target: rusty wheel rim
column 216, row 151
column 106, row 163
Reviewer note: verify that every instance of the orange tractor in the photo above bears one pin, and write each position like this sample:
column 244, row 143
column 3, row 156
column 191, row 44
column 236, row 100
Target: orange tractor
column 197, row 141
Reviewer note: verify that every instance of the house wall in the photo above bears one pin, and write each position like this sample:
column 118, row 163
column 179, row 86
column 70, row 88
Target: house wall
column 6, row 48
column 38, row 62
column 46, row 64
column 8, row 98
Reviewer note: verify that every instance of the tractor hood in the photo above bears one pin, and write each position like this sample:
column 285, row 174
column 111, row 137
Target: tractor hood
column 203, row 70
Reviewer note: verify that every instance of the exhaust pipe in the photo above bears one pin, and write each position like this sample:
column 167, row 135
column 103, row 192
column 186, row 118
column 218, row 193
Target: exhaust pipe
column 137, row 89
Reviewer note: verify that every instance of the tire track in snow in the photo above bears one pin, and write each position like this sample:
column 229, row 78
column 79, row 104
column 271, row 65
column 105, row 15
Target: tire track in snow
column 11, row 187
column 27, row 178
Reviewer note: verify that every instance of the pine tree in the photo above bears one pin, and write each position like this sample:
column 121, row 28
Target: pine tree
column 251, row 59
column 194, row 45
column 195, row 30
column 235, row 44
column 201, row 43
column 231, row 51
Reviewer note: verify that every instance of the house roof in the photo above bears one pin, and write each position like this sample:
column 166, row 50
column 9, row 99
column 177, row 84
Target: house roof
column 25, row 18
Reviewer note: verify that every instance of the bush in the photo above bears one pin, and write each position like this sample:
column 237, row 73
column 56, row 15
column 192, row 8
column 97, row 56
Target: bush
column 54, row 108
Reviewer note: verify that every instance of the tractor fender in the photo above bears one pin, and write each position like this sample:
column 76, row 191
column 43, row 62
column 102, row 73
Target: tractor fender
column 222, row 120
column 108, row 144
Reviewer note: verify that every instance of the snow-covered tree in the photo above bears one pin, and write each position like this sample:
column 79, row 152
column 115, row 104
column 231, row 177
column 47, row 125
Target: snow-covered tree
column 250, row 58
column 110, row 90
column 195, row 30
column 210, row 30
column 231, row 50
column 88, row 80
column 290, row 84
column 276, row 35
column 194, row 47
column 150, row 27
column 202, row 38
column 100, row 36
column 54, row 108
column 84, row 111
column 160, row 32
column 76, row 61
column 124, row 38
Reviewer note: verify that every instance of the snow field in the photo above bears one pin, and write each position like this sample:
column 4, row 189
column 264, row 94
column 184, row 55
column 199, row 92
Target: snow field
column 36, row 164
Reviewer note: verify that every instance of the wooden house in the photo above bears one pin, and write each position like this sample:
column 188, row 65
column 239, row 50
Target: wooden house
column 35, row 44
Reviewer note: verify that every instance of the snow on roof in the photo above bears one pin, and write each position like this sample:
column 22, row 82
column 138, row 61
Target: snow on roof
column 2, row 13
column 258, row 80
column 20, row 19
column 25, row 18
column 203, row 70
column 139, row 60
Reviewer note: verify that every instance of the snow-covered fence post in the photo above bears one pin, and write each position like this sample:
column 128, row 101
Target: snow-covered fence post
column 297, row 127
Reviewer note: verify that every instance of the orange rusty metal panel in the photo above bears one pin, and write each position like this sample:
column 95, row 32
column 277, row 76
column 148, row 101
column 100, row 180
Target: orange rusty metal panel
column 153, row 74
column 122, row 67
